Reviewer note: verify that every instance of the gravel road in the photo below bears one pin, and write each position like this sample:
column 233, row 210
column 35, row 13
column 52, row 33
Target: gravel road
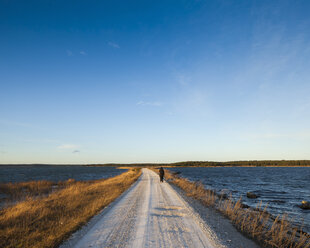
column 149, row 214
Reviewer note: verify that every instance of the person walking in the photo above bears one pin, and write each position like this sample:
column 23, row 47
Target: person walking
column 161, row 174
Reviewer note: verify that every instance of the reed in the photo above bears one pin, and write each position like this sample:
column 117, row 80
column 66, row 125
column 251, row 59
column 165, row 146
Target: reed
column 256, row 223
column 48, row 221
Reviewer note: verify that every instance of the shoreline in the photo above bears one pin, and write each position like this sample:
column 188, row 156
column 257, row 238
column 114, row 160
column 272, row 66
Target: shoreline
column 127, row 167
column 48, row 221
column 265, row 231
column 226, row 213
column 222, row 226
column 236, row 163
column 160, row 207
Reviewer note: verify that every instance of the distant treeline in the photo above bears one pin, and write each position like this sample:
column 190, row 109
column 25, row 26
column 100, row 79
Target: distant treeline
column 211, row 163
column 262, row 163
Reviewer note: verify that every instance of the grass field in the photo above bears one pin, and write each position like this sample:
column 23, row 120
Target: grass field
column 45, row 217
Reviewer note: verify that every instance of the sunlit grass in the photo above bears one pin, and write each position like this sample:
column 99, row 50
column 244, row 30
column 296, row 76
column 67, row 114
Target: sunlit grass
column 16, row 192
column 48, row 220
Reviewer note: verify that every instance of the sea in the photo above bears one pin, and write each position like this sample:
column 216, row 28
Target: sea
column 281, row 189
column 55, row 173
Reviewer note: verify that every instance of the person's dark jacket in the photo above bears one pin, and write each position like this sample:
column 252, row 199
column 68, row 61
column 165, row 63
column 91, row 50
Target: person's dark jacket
column 161, row 172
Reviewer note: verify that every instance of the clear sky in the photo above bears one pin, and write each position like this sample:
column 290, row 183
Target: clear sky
column 154, row 81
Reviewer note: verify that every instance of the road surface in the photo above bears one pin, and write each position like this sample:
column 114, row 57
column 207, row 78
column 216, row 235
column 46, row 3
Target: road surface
column 149, row 214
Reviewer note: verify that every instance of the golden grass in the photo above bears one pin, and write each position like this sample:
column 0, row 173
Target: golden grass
column 47, row 221
column 257, row 223
column 17, row 191
column 20, row 191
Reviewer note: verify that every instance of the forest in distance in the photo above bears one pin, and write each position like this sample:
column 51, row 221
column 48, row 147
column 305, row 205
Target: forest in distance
column 242, row 163
column 250, row 163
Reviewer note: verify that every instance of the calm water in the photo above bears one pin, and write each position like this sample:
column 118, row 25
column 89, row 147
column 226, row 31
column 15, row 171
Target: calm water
column 283, row 188
column 55, row 173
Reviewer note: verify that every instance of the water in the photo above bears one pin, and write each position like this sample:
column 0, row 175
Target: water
column 283, row 188
column 55, row 173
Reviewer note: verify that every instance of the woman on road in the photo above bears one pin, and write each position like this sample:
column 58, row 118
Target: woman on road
column 161, row 174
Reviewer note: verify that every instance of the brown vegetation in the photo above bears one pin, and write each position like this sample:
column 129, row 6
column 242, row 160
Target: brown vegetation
column 48, row 220
column 255, row 223
column 15, row 192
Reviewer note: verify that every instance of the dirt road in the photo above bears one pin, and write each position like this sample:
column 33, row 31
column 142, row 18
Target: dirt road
column 150, row 214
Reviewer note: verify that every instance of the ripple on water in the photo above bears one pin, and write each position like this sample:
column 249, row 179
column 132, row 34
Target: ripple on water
column 282, row 189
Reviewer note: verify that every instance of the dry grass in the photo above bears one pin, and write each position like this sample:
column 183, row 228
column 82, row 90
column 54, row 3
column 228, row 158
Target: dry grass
column 16, row 192
column 47, row 221
column 255, row 223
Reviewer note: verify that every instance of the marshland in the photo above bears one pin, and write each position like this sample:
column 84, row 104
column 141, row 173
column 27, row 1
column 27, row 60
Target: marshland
column 42, row 217
column 94, row 95
column 36, row 208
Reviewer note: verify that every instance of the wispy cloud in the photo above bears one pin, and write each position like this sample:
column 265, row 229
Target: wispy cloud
column 68, row 146
column 302, row 135
column 183, row 80
column 41, row 141
column 83, row 53
column 69, row 52
column 192, row 99
column 155, row 104
column 17, row 123
column 112, row 44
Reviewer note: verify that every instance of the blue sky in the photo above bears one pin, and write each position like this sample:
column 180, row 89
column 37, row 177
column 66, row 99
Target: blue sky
column 154, row 81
